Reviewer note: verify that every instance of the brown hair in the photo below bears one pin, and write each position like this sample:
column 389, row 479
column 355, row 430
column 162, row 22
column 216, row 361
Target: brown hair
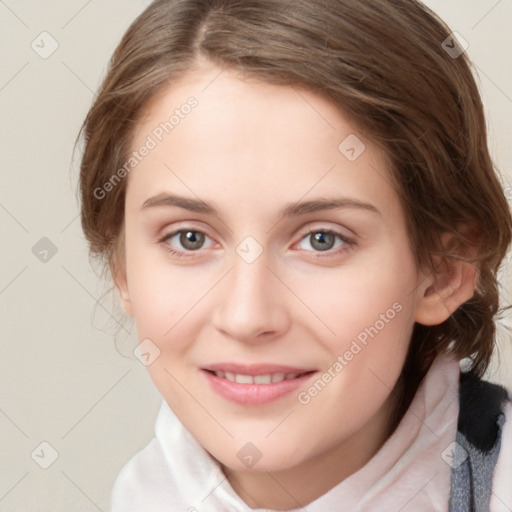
column 388, row 65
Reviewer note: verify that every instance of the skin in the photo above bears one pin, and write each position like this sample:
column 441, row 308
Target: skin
column 250, row 149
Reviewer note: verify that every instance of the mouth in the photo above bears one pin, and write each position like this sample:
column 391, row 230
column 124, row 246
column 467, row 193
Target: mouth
column 266, row 378
column 252, row 385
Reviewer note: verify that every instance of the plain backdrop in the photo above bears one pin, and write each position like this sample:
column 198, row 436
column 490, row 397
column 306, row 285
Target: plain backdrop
column 63, row 381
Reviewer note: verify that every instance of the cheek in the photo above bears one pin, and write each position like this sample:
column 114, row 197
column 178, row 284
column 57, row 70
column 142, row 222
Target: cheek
column 374, row 326
column 152, row 292
column 165, row 297
column 369, row 309
column 374, row 291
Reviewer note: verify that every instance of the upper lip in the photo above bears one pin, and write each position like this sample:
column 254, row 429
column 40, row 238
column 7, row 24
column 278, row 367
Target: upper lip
column 255, row 369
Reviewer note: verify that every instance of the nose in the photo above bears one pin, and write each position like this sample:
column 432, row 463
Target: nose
column 251, row 305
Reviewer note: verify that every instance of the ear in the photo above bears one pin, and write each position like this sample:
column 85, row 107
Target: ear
column 121, row 283
column 119, row 275
column 451, row 283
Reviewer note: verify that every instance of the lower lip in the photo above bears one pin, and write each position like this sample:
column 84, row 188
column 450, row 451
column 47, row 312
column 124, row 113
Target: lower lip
column 254, row 394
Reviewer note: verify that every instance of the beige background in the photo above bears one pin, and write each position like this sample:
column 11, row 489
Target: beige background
column 62, row 380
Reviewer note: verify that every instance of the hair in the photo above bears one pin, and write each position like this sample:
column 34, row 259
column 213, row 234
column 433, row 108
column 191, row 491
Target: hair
column 386, row 64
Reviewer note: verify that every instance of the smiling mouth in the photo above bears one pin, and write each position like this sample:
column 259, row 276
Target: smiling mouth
column 267, row 378
column 255, row 385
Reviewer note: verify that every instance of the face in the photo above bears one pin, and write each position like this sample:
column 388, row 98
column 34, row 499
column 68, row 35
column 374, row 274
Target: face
column 268, row 263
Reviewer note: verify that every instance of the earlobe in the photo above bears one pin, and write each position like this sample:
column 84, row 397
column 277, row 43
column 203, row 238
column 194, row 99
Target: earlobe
column 121, row 283
column 452, row 283
column 125, row 296
column 119, row 275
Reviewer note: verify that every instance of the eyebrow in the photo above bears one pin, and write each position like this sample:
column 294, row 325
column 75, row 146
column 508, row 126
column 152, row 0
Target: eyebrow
column 298, row 208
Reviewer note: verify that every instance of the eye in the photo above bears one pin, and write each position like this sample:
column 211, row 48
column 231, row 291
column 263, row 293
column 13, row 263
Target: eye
column 324, row 240
column 185, row 240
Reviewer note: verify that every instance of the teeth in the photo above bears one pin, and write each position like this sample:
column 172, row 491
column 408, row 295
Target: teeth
column 256, row 379
column 262, row 379
column 244, row 379
column 278, row 377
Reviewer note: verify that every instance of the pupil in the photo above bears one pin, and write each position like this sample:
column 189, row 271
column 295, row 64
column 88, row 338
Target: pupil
column 322, row 241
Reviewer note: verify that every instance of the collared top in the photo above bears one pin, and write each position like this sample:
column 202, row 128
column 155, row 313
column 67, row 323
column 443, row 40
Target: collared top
column 410, row 473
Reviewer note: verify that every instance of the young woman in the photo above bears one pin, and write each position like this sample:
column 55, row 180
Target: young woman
column 297, row 205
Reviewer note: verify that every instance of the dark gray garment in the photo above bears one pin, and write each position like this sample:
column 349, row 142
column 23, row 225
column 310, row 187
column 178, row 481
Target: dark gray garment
column 478, row 443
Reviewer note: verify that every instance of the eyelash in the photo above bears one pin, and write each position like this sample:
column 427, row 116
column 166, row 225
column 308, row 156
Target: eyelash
column 348, row 243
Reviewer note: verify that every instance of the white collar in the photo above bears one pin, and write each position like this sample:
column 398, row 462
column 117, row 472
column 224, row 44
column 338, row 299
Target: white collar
column 408, row 473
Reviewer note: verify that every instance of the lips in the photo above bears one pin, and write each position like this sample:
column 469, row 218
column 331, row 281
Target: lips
column 254, row 384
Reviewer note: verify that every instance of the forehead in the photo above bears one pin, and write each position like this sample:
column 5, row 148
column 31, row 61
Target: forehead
column 248, row 140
